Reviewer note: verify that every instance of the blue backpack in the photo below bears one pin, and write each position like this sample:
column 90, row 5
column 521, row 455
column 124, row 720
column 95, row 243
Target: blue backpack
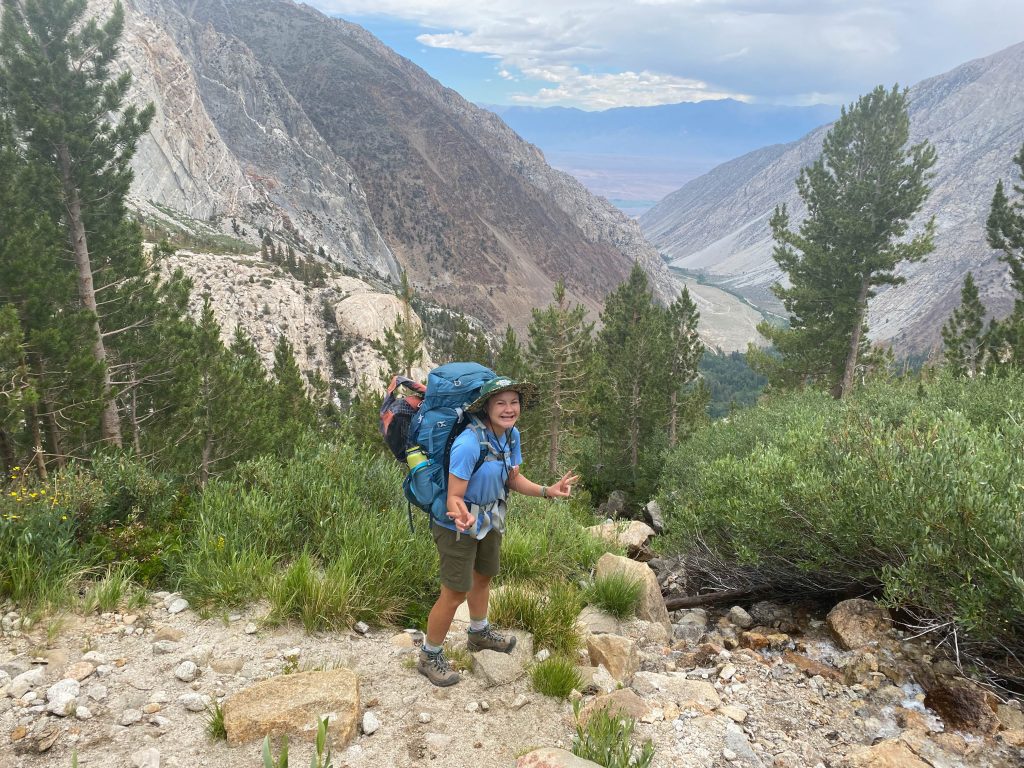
column 439, row 420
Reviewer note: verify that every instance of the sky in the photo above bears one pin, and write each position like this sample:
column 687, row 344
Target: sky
column 599, row 54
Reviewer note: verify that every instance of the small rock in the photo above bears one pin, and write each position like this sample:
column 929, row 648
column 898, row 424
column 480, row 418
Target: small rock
column 164, row 646
column 424, row 717
column 194, row 702
column 83, row 713
column 735, row 714
column 520, row 701
column 484, row 706
column 130, row 619
column 473, row 706
column 740, row 617
column 370, row 723
column 542, row 655
column 251, row 628
column 187, row 671
column 151, row 709
column 231, row 665
column 146, row 758
column 80, row 670
column 96, row 692
column 728, row 672
column 361, row 627
column 160, row 721
column 168, row 633
column 19, row 733
column 729, row 755
column 25, row 682
column 94, row 657
column 129, row 717
column 234, row 617
column 61, row 697
column 178, row 606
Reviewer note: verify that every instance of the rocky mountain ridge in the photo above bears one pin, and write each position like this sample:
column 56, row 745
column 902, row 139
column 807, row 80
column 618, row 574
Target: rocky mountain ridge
column 277, row 119
column 973, row 116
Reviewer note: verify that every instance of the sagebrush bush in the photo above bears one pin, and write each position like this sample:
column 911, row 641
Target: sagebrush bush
column 911, row 488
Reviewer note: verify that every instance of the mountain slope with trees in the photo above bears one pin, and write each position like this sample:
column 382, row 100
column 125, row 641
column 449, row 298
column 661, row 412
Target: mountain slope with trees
column 973, row 116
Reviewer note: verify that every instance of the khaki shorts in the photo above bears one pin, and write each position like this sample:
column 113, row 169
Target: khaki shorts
column 460, row 558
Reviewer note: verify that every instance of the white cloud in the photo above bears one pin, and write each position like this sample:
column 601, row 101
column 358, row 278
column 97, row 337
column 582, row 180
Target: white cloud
column 771, row 50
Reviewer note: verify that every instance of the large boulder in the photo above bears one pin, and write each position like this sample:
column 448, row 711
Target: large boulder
column 293, row 705
column 677, row 688
column 631, row 535
column 963, row 706
column 651, row 606
column 623, row 703
column 857, row 622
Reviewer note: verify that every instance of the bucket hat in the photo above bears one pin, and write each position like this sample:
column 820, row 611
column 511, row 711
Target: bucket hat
column 527, row 392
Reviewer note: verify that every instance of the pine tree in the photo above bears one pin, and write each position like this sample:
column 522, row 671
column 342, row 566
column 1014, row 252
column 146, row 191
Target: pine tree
column 559, row 354
column 630, row 386
column 1005, row 231
column 685, row 350
column 293, row 409
column 861, row 195
column 509, row 359
column 963, row 334
column 55, row 76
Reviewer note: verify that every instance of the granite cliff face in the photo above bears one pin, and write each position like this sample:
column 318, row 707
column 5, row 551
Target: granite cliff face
column 272, row 114
column 973, row 115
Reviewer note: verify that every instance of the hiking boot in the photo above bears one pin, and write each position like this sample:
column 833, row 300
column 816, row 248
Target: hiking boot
column 489, row 640
column 436, row 668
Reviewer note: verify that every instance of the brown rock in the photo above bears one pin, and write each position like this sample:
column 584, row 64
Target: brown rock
column 651, row 606
column 911, row 719
column 1014, row 738
column 19, row 733
column 857, row 622
column 80, row 670
column 886, row 754
column 858, row 668
column 962, row 705
column 168, row 633
column 624, row 701
column 753, row 640
column 1011, row 719
column 810, row 667
column 292, row 704
column 618, row 655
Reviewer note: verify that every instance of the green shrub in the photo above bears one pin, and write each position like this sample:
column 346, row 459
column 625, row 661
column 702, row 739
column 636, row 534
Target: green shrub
column 607, row 739
column 557, row 677
column 215, row 722
column 911, row 489
column 114, row 590
column 615, row 593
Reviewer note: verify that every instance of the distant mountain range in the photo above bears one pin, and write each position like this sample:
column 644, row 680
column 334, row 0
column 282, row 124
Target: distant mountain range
column 717, row 225
column 634, row 156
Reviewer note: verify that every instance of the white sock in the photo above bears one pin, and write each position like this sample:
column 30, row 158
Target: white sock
column 431, row 649
column 478, row 625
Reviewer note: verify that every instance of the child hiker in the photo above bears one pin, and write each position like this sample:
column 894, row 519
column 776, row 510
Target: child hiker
column 469, row 542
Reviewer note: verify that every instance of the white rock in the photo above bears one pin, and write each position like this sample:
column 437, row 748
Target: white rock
column 361, row 627
column 201, row 654
column 25, row 682
column 473, row 706
column 728, row 672
column 160, row 721
column 129, row 717
column 164, row 646
column 520, row 701
column 146, row 758
column 61, row 696
column 251, row 628
column 194, row 702
column 542, row 655
column 159, row 697
column 96, row 692
column 178, row 605
column 728, row 754
column 424, row 717
column 83, row 713
column 170, row 597
column 370, row 723
column 187, row 671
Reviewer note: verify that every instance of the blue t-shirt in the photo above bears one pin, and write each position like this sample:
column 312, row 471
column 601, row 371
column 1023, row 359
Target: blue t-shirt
column 487, row 484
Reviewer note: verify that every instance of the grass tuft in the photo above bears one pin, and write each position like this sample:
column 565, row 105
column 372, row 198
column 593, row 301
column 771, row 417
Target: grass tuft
column 215, row 722
column 556, row 677
column 615, row 593
column 551, row 617
column 116, row 589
